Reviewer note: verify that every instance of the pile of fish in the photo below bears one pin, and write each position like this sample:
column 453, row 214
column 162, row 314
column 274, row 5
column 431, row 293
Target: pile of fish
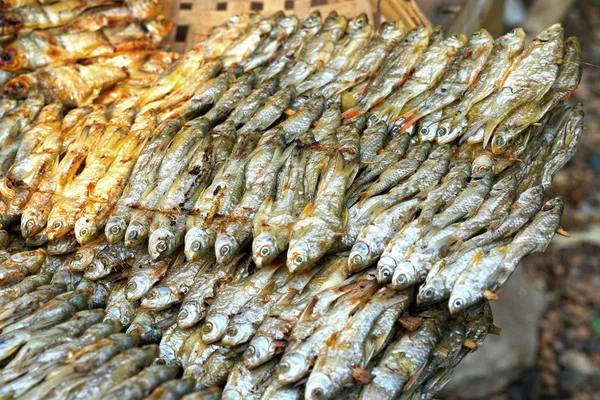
column 292, row 209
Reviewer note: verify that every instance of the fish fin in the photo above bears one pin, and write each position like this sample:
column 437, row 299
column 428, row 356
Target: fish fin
column 308, row 210
column 331, row 340
column 362, row 375
column 411, row 381
column 489, row 295
column 345, row 216
column 369, row 350
column 350, row 114
column 308, row 310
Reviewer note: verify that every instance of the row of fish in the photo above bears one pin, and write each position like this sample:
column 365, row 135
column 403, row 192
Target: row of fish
column 292, row 209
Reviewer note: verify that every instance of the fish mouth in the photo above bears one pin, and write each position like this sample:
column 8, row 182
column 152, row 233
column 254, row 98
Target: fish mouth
column 82, row 259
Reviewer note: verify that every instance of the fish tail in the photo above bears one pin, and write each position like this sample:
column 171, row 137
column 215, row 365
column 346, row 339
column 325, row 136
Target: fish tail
column 351, row 114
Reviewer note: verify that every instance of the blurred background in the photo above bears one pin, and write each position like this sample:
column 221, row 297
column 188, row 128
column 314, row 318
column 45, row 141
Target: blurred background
column 549, row 311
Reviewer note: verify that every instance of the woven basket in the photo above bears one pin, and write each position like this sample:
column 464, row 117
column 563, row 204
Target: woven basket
column 194, row 18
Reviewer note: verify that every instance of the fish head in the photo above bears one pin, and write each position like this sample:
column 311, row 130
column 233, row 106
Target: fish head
column 32, row 222
column 292, row 368
column 238, row 334
column 82, row 259
column 138, row 285
column 261, row 350
column 232, row 394
column 299, row 256
column 359, row 24
column 503, row 139
column 337, row 23
column 484, row 164
column 115, row 229
column 11, row 59
column 554, row 206
column 481, row 37
column 534, row 196
column 318, row 387
column 506, row 184
column 462, row 298
column 197, row 243
column 20, row 86
column 391, row 31
column 158, row 298
column 135, row 235
column 85, row 231
column 428, row 129
column 446, row 132
column 313, row 20
column 514, row 41
column 98, row 269
column 264, row 249
column 405, row 275
column 226, row 248
column 553, row 32
column 455, row 42
column 432, row 292
column 162, row 243
column 214, row 328
column 191, row 312
column 167, row 356
column 385, row 269
column 360, row 256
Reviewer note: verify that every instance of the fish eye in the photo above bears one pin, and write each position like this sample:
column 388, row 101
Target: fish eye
column 30, row 223
column 195, row 245
column 512, row 32
column 385, row 273
column 182, row 314
column 441, row 131
column 208, row 327
column 265, row 251
column 454, row 36
column 133, row 235
column 83, row 232
column 429, row 293
column 357, row 260
column 161, row 246
column 284, row 367
column 437, row 32
column 395, row 130
column 299, row 260
column 151, row 295
column 500, row 141
column 250, row 351
column 424, row 130
column 115, row 230
column 225, row 250
column 476, row 33
column 78, row 257
column 57, row 225
column 318, row 393
column 402, row 279
column 232, row 331
column 458, row 303
column 131, row 286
